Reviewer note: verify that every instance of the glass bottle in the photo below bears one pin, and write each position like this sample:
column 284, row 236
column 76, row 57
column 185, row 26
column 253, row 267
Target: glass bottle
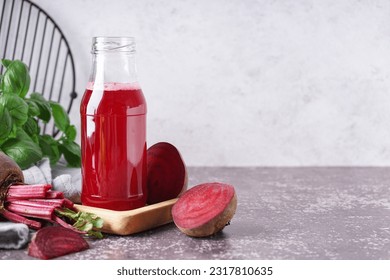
column 113, row 128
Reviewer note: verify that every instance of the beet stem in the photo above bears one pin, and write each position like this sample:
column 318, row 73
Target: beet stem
column 33, row 203
column 57, row 202
column 13, row 217
column 34, row 186
column 54, row 194
column 45, row 212
column 68, row 203
column 27, row 191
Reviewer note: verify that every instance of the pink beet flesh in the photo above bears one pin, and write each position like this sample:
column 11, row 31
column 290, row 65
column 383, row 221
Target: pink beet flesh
column 54, row 241
column 201, row 204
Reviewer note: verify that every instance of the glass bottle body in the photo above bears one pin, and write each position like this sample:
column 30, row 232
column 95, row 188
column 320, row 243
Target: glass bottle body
column 113, row 130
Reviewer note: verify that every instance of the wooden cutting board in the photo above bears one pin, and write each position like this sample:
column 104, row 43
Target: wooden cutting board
column 133, row 221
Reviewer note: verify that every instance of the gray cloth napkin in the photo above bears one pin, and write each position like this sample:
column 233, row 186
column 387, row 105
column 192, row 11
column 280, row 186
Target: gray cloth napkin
column 62, row 178
column 13, row 235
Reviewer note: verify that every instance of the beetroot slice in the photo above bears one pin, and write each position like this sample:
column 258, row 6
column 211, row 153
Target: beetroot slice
column 55, row 241
column 166, row 175
column 205, row 209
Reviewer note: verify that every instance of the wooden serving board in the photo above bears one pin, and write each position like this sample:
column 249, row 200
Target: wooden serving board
column 132, row 221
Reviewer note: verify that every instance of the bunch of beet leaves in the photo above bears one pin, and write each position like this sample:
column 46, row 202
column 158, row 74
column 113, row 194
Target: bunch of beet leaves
column 34, row 205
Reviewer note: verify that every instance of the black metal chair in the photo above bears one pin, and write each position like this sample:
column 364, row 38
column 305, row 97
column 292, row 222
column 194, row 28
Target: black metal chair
column 28, row 33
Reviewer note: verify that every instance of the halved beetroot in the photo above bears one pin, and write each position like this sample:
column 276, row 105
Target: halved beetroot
column 55, row 241
column 167, row 173
column 205, row 209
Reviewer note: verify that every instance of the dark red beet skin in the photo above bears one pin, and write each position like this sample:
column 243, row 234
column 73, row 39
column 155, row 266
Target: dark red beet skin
column 205, row 209
column 166, row 175
column 55, row 241
column 10, row 172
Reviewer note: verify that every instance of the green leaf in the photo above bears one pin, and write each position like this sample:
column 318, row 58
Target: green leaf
column 33, row 109
column 16, row 79
column 22, row 149
column 31, row 127
column 68, row 213
column 71, row 132
column 72, row 153
column 13, row 131
column 6, row 62
column 88, row 222
column 61, row 118
column 16, row 106
column 96, row 234
column 35, row 138
column 83, row 224
column 43, row 105
column 5, row 123
column 49, row 147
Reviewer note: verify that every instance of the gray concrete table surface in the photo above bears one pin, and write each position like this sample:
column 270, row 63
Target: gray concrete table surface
column 283, row 213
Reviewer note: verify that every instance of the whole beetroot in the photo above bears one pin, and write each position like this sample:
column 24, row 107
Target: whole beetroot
column 10, row 172
column 167, row 173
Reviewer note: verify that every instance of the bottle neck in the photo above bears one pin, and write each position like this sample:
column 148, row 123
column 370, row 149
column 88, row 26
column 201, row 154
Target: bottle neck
column 113, row 67
column 113, row 61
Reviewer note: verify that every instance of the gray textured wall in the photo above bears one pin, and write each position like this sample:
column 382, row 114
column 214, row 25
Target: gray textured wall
column 252, row 82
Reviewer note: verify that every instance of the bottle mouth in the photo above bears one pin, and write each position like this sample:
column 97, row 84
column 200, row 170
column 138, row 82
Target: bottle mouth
column 113, row 44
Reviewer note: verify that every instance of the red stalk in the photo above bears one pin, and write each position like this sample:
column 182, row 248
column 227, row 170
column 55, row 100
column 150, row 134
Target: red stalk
column 27, row 191
column 13, row 217
column 54, row 194
column 33, row 203
column 68, row 203
column 46, row 187
column 43, row 212
column 58, row 202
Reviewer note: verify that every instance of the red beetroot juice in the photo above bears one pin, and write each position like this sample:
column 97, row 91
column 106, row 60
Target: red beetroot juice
column 113, row 124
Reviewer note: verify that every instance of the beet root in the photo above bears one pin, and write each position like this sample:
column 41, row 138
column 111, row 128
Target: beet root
column 167, row 173
column 55, row 241
column 10, row 172
column 205, row 209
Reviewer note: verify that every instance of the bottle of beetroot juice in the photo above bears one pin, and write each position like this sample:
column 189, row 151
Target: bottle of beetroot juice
column 113, row 128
